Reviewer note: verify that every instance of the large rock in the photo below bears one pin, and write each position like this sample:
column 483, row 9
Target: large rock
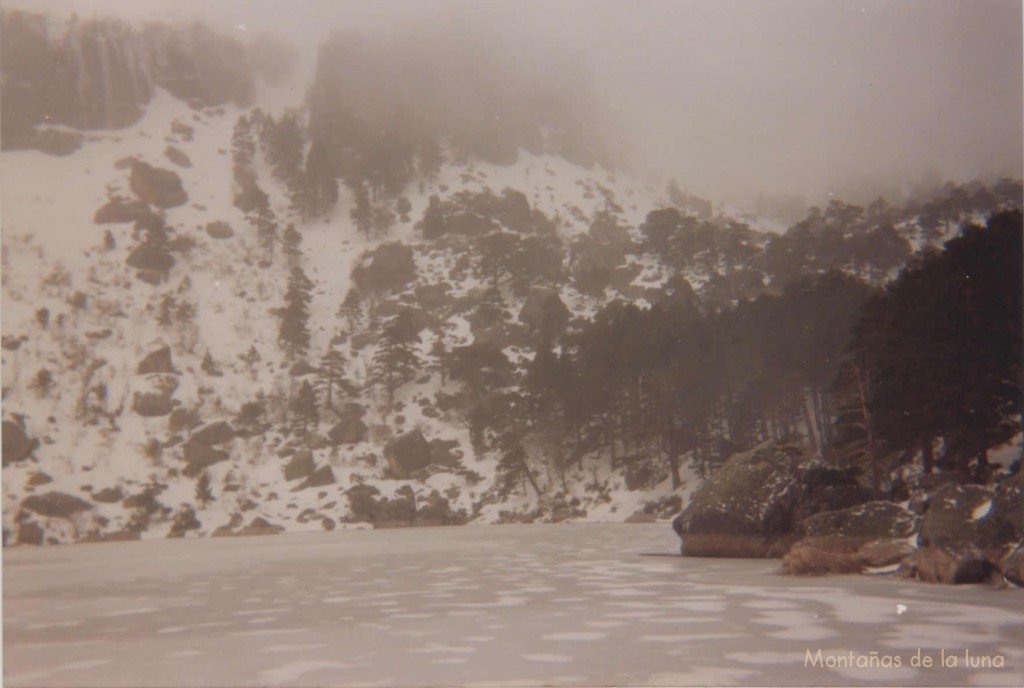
column 947, row 565
column 1010, row 564
column 300, row 466
column 1009, row 506
column 16, row 444
column 747, row 508
column 29, row 533
column 158, row 399
column 157, row 186
column 55, row 504
column 108, row 495
column 121, row 210
column 407, row 453
column 318, row 478
column 213, row 433
column 807, row 559
column 863, row 523
column 260, row 526
column 388, row 267
column 218, row 229
column 960, row 515
column 158, row 361
column 198, row 456
column 348, row 431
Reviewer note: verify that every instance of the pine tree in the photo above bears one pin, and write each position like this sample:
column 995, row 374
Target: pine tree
column 304, row 409
column 265, row 222
column 396, row 360
column 204, row 495
column 351, row 309
column 293, row 333
column 332, row 373
column 291, row 244
column 362, row 214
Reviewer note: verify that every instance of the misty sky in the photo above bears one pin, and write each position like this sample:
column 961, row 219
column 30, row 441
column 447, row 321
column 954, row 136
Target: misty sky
column 732, row 97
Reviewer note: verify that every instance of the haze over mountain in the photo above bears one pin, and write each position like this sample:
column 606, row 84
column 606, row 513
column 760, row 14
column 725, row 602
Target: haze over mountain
column 734, row 99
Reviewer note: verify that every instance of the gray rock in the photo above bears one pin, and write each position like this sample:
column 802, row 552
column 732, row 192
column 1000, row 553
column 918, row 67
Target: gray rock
column 157, row 186
column 388, row 267
column 260, row 526
column 16, row 444
column 177, row 156
column 318, row 478
column 408, row 453
column 951, row 565
column 746, row 507
column 121, row 210
column 158, row 361
column 108, row 495
column 213, row 433
column 55, row 504
column 199, row 456
column 863, row 522
column 300, row 466
column 960, row 515
column 29, row 533
column 348, row 431
column 218, row 229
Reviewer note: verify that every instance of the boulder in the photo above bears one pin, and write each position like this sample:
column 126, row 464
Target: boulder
column 213, row 433
column 885, row 552
column 108, row 495
column 1010, row 563
column 158, row 361
column 29, row 533
column 300, row 466
column 57, row 142
column 121, row 210
column 156, row 186
column 746, row 508
column 1009, row 507
column 407, row 453
column 348, row 431
column 218, row 229
column 959, row 515
column 16, row 444
column 318, row 478
column 55, row 504
column 388, row 267
column 807, row 559
column 177, row 156
column 152, row 260
column 158, row 399
column 863, row 522
column 445, row 453
column 40, row 478
column 950, row 565
column 638, row 475
column 260, row 526
column 198, row 456
column 301, row 369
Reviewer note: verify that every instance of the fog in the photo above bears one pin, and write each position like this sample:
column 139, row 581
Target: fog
column 733, row 98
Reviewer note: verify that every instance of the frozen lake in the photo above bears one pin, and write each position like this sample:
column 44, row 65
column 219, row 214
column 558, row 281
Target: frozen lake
column 497, row 605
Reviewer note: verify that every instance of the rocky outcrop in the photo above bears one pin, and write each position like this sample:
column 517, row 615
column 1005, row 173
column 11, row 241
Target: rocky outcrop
column 55, row 504
column 300, row 465
column 199, row 456
column 29, row 533
column 108, row 495
column 16, row 444
column 177, row 156
column 407, row 454
column 958, row 515
column 157, row 186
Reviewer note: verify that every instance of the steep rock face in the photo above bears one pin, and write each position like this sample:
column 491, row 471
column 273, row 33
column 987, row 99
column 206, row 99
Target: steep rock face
column 300, row 465
column 157, row 361
column 388, row 267
column 745, row 507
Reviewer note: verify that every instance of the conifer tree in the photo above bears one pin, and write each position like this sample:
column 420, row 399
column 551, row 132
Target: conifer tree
column 332, row 373
column 351, row 308
column 293, row 333
column 291, row 244
column 396, row 360
column 304, row 409
column 204, row 495
column 362, row 214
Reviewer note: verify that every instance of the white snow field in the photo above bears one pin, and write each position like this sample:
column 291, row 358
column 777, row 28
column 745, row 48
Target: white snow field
column 580, row 604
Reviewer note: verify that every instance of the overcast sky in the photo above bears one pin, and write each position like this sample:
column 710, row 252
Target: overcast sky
column 733, row 97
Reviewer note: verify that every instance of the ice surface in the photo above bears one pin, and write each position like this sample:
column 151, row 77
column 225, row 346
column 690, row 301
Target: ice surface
column 547, row 608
